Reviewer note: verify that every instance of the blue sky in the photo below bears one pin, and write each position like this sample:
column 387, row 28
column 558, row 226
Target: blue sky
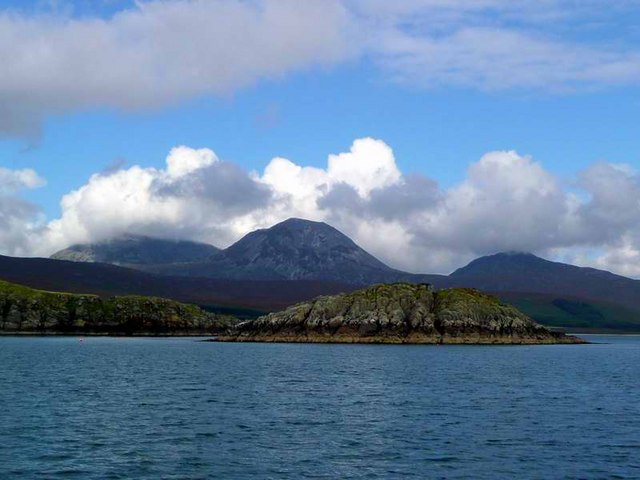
column 558, row 83
column 438, row 133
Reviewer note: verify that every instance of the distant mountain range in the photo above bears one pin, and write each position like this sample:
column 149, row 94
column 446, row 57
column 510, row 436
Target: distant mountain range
column 295, row 249
column 308, row 258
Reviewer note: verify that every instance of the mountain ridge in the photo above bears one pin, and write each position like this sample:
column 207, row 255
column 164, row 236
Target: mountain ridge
column 526, row 272
column 298, row 250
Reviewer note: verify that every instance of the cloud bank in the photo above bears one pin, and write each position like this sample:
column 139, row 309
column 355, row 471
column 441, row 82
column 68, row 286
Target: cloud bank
column 19, row 218
column 506, row 202
column 158, row 53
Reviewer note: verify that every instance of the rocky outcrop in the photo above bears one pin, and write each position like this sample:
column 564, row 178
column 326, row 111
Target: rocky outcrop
column 24, row 310
column 400, row 313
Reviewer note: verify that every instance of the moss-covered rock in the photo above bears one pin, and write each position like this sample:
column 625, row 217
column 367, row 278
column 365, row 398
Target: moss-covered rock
column 399, row 313
column 23, row 309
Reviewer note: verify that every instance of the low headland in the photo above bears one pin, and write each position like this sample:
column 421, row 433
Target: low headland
column 387, row 313
column 26, row 311
column 400, row 313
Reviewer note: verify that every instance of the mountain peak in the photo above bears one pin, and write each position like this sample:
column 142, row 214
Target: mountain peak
column 294, row 223
column 508, row 261
column 514, row 253
column 298, row 249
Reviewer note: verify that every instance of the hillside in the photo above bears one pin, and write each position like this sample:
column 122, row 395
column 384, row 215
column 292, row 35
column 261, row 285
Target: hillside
column 298, row 259
column 399, row 313
column 524, row 272
column 217, row 294
column 554, row 293
column 24, row 309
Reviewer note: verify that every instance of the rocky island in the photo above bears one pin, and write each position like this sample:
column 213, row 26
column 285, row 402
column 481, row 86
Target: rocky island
column 399, row 313
column 26, row 310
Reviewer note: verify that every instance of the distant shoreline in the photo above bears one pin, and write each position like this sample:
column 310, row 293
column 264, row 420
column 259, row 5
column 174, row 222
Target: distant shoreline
column 100, row 334
column 213, row 337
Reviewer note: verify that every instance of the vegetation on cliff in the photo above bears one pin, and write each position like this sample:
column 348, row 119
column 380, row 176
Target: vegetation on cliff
column 25, row 310
column 399, row 313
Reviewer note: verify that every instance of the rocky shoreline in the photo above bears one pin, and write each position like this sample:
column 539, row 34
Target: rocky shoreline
column 400, row 313
column 390, row 340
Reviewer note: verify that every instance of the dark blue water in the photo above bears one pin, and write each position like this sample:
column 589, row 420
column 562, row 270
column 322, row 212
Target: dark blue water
column 179, row 408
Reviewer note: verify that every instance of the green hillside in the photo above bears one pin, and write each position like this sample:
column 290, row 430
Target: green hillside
column 24, row 310
column 575, row 314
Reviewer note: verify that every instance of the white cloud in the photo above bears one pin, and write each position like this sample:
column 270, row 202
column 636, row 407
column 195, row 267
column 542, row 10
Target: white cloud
column 501, row 58
column 506, row 202
column 158, row 53
column 547, row 45
column 195, row 196
column 19, row 219
column 369, row 165
column 12, row 181
column 622, row 257
column 183, row 160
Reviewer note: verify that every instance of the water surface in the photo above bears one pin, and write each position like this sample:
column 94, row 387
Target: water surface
column 153, row 408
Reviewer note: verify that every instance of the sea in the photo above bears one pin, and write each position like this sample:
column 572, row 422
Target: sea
column 182, row 408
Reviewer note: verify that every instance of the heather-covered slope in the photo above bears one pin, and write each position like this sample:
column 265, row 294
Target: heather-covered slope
column 400, row 313
column 109, row 280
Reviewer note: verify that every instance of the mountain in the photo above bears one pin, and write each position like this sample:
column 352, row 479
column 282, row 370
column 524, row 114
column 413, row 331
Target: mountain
column 555, row 293
column 399, row 313
column 136, row 250
column 295, row 249
column 524, row 272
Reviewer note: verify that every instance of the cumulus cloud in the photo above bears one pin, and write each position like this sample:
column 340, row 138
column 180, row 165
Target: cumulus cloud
column 614, row 200
column 507, row 201
column 195, row 196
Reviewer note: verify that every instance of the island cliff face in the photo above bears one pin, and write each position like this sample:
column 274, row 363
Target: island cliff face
column 399, row 313
column 26, row 310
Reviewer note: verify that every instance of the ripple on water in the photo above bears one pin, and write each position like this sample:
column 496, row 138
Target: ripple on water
column 179, row 408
